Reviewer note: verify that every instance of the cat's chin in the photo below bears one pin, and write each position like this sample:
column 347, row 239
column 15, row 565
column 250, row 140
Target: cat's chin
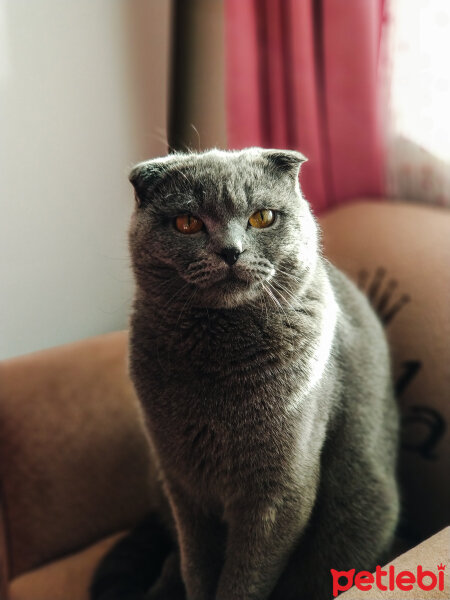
column 231, row 294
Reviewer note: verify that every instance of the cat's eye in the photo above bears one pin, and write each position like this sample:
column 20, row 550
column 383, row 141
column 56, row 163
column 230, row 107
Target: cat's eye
column 262, row 218
column 188, row 224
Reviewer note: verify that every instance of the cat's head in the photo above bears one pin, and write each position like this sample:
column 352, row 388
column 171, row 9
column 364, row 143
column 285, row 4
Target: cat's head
column 224, row 227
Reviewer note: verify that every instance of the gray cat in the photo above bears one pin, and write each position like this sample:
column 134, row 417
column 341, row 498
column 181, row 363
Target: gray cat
column 265, row 378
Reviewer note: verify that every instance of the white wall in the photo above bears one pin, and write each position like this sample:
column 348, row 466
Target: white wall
column 69, row 131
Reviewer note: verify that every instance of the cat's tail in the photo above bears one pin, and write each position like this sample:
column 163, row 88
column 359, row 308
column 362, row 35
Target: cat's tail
column 135, row 563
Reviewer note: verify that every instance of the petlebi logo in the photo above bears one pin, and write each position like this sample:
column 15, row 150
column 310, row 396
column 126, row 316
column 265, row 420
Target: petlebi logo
column 388, row 580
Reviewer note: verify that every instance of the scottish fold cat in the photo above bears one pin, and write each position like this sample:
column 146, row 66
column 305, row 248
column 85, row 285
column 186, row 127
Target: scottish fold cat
column 265, row 379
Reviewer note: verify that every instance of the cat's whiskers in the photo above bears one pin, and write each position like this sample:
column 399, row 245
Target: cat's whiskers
column 283, row 297
column 161, row 136
column 163, row 277
column 186, row 306
column 161, row 283
column 184, row 177
column 160, row 286
column 294, row 277
column 273, row 294
column 172, row 298
column 300, row 299
column 209, row 326
column 198, row 136
column 164, row 289
column 286, row 291
column 266, row 307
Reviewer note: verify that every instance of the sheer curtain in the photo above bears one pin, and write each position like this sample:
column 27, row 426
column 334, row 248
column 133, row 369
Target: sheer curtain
column 418, row 86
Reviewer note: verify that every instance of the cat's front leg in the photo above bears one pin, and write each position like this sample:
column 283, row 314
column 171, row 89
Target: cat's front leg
column 259, row 542
column 201, row 539
column 352, row 529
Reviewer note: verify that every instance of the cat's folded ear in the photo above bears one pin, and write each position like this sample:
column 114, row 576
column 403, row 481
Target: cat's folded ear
column 144, row 177
column 285, row 161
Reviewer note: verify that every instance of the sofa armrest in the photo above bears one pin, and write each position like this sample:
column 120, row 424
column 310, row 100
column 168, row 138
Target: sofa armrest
column 74, row 457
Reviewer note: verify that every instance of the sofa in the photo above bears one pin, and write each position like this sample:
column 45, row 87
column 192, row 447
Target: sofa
column 75, row 468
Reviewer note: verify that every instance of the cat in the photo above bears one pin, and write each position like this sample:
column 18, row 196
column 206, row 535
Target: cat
column 265, row 379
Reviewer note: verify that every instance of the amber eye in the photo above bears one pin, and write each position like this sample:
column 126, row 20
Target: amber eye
column 262, row 218
column 188, row 224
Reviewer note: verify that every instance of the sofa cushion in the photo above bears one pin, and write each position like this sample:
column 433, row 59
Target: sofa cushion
column 66, row 579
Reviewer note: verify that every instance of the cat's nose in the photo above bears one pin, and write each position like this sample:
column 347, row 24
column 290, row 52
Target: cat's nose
column 230, row 255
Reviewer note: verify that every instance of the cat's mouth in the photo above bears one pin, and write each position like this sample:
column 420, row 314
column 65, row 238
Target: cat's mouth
column 232, row 282
column 232, row 286
column 240, row 278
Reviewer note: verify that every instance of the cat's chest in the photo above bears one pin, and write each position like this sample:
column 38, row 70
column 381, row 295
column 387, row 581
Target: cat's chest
column 230, row 368
column 220, row 450
column 225, row 432
column 218, row 391
column 222, row 370
column 241, row 347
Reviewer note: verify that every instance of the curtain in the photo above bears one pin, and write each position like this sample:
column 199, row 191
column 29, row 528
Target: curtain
column 302, row 74
column 418, row 124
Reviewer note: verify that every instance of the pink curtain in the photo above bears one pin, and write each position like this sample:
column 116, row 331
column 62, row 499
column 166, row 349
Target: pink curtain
column 303, row 74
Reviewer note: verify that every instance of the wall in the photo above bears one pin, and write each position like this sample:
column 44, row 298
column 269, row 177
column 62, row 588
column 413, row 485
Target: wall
column 73, row 119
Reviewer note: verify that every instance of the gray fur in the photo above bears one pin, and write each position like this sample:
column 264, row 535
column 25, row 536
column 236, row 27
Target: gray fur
column 268, row 394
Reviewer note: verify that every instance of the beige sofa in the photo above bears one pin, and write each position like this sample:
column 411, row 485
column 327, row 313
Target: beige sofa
column 75, row 469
